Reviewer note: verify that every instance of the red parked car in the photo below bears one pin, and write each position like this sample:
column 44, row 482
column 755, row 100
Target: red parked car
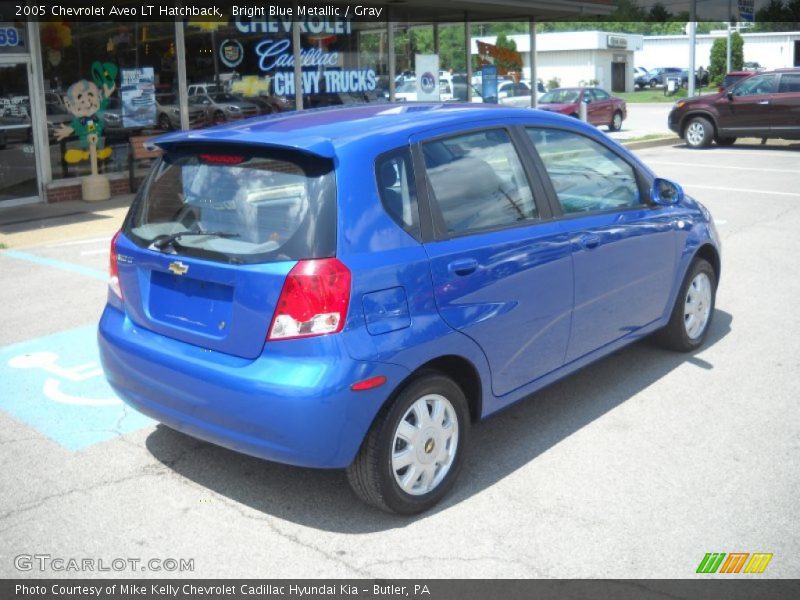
column 601, row 107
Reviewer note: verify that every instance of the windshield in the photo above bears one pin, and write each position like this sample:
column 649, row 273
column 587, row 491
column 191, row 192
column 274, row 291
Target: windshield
column 560, row 97
column 243, row 206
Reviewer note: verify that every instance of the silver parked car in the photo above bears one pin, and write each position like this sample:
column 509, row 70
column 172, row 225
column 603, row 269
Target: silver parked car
column 223, row 106
column 168, row 114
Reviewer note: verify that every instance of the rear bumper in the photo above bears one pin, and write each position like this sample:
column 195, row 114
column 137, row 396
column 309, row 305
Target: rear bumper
column 293, row 404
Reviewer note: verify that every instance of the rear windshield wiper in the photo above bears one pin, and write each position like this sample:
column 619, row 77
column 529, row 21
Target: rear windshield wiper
column 164, row 240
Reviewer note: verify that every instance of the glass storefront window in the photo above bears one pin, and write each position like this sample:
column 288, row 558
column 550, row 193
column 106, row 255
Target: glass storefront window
column 252, row 61
column 112, row 79
column 17, row 157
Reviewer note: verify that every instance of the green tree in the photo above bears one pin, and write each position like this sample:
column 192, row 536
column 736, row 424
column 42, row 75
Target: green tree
column 659, row 14
column 718, row 60
column 778, row 15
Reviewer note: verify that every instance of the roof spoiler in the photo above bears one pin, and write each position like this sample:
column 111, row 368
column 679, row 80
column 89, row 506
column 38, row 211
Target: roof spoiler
column 310, row 144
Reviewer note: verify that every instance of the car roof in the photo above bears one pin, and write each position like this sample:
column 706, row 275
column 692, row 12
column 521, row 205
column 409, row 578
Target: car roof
column 325, row 131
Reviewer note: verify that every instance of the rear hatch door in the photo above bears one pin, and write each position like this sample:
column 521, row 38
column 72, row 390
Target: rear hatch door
column 207, row 245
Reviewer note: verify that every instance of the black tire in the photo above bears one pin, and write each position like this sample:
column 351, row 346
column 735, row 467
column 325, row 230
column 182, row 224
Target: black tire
column 725, row 141
column 698, row 133
column 675, row 336
column 616, row 121
column 653, row 83
column 164, row 123
column 372, row 475
column 219, row 118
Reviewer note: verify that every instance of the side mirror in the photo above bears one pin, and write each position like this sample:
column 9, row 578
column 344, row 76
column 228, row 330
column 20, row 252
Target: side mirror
column 729, row 95
column 586, row 100
column 666, row 192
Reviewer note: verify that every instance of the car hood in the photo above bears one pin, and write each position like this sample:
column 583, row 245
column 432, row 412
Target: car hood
column 700, row 100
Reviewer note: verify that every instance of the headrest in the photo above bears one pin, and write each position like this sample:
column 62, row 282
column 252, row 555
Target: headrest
column 388, row 174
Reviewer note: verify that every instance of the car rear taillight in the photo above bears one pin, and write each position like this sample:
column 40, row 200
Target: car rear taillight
column 313, row 301
column 113, row 268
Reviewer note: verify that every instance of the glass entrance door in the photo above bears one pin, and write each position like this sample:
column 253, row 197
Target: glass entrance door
column 17, row 155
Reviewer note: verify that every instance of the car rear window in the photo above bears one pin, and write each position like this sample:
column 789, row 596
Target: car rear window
column 240, row 206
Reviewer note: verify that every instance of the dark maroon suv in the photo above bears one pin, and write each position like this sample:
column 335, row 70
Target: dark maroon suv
column 766, row 105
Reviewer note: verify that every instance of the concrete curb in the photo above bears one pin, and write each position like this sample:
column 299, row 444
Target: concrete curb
column 667, row 141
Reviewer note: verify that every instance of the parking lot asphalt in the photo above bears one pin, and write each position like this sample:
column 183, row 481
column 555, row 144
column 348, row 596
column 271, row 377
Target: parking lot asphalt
column 637, row 466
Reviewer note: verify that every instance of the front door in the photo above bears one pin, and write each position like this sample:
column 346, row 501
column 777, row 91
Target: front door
column 623, row 249
column 18, row 175
column 749, row 109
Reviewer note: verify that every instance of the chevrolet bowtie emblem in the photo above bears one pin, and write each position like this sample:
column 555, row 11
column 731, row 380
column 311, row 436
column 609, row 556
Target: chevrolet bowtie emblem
column 178, row 267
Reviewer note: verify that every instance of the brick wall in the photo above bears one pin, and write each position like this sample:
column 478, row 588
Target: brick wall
column 63, row 190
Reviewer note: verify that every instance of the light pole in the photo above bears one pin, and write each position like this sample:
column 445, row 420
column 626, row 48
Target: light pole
column 728, row 58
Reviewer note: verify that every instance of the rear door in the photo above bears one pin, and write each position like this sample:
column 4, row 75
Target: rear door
column 501, row 268
column 786, row 106
column 623, row 249
column 207, row 245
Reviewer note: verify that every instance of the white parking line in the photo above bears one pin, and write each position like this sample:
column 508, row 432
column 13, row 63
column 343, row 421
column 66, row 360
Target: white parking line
column 742, row 190
column 98, row 251
column 726, row 152
column 710, row 166
column 80, row 242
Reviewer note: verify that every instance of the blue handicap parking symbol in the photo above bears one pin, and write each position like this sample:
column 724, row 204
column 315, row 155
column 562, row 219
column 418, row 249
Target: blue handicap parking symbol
column 55, row 384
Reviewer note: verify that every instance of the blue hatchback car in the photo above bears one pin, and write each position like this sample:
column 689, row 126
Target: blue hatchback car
column 354, row 287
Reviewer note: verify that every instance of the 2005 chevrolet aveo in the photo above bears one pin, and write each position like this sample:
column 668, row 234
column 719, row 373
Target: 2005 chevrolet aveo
column 353, row 288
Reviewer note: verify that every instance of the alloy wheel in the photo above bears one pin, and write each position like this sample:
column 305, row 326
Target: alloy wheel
column 695, row 134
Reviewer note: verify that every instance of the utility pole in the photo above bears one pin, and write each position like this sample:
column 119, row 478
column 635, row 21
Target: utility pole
column 730, row 16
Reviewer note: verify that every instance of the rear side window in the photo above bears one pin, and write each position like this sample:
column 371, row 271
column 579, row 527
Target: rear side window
column 243, row 206
column 586, row 175
column 395, row 178
column 478, row 181
column 789, row 84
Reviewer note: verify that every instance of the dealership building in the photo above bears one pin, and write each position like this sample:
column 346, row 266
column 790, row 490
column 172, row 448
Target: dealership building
column 148, row 70
column 578, row 57
column 771, row 50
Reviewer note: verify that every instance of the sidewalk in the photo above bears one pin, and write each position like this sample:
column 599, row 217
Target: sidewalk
column 34, row 224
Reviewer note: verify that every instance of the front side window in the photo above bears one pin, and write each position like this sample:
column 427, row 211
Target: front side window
column 478, row 181
column 395, row 178
column 756, row 86
column 586, row 175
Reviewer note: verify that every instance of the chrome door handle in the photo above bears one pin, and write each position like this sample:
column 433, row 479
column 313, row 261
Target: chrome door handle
column 764, row 102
